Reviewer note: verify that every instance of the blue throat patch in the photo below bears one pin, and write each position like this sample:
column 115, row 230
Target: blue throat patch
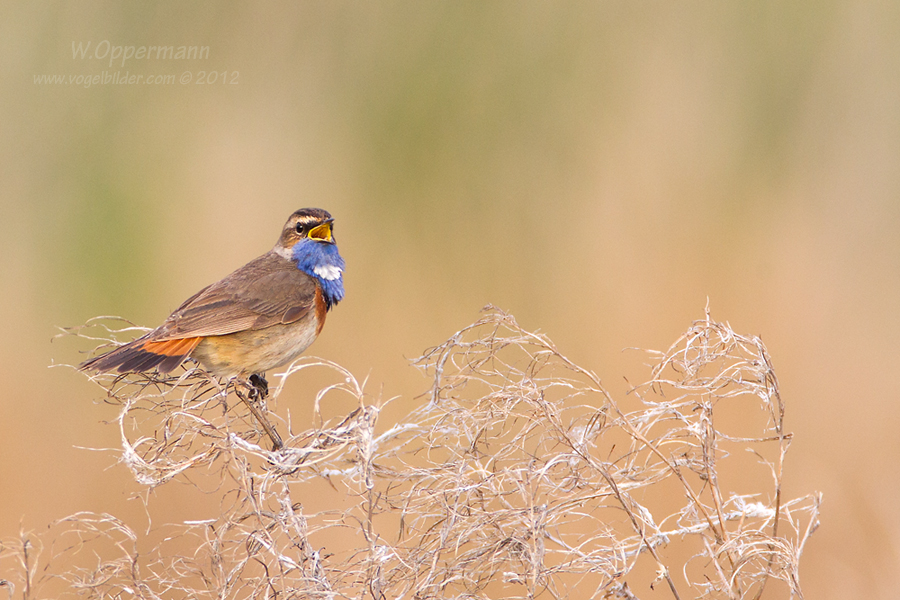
column 310, row 256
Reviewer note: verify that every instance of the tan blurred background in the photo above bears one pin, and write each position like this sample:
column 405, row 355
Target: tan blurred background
column 597, row 169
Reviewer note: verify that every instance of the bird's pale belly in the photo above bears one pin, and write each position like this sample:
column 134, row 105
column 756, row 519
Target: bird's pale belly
column 247, row 352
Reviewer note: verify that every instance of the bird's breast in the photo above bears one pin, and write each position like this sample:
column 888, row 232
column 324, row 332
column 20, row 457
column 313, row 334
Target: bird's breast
column 244, row 353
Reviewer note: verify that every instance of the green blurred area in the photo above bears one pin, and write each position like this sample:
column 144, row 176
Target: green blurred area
column 600, row 170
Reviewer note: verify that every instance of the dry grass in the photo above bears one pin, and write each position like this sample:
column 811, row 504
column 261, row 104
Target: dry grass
column 518, row 477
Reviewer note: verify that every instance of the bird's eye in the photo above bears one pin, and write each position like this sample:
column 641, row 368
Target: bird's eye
column 300, row 228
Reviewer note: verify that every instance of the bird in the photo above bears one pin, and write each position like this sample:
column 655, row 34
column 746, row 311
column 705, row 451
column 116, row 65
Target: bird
column 260, row 317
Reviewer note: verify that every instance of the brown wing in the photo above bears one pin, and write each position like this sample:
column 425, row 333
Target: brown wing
column 262, row 293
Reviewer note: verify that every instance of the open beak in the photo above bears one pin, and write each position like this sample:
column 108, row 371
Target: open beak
column 322, row 233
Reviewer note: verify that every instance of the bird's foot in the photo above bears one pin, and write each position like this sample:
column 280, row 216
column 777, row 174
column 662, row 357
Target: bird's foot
column 259, row 389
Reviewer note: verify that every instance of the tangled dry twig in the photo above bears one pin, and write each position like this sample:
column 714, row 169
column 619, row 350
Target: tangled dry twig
column 521, row 476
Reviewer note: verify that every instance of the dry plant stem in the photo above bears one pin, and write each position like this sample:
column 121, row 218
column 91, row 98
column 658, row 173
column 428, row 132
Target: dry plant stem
column 628, row 508
column 26, row 567
column 771, row 383
column 520, row 477
column 260, row 417
column 598, row 387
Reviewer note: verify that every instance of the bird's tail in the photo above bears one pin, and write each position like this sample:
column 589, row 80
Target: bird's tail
column 143, row 354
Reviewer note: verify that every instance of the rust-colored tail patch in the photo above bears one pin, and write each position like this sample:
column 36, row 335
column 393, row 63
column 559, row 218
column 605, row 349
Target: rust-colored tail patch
column 143, row 354
column 171, row 347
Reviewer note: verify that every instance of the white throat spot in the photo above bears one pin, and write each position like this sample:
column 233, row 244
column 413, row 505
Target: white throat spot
column 328, row 272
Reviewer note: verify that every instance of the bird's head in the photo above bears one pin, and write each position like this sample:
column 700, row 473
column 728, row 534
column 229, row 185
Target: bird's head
column 308, row 240
column 307, row 225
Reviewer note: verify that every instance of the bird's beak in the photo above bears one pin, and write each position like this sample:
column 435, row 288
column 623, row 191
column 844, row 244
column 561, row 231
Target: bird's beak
column 321, row 233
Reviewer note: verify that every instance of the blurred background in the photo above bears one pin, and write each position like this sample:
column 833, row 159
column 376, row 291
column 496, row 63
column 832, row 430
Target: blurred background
column 599, row 169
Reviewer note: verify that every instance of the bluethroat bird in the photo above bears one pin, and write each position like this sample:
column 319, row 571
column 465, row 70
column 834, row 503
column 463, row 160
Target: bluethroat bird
column 262, row 316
